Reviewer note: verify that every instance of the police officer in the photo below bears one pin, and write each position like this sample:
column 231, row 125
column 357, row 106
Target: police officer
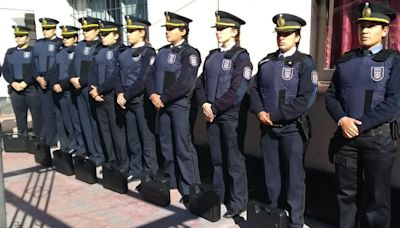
column 284, row 89
column 109, row 115
column 362, row 99
column 80, row 68
column 45, row 50
column 136, row 63
column 170, row 89
column 62, row 91
column 19, row 71
column 219, row 91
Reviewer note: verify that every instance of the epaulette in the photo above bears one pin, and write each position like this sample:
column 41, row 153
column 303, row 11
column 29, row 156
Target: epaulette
column 270, row 56
column 165, row 46
column 10, row 51
column 236, row 50
column 213, row 51
column 179, row 48
column 346, row 56
column 295, row 58
column 383, row 55
column 140, row 50
column 123, row 48
column 40, row 40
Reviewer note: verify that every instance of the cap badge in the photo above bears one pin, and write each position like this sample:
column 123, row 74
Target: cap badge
column 281, row 21
column 366, row 11
column 65, row 29
column 129, row 21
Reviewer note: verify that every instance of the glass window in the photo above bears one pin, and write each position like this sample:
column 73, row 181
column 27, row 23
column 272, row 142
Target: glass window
column 337, row 21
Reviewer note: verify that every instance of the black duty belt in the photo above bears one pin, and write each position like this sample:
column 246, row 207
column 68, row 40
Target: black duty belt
column 383, row 129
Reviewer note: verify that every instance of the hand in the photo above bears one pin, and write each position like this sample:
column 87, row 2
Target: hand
column 94, row 92
column 16, row 86
column 99, row 98
column 57, row 88
column 121, row 100
column 208, row 113
column 75, row 82
column 156, row 100
column 23, row 85
column 42, row 82
column 264, row 118
column 349, row 127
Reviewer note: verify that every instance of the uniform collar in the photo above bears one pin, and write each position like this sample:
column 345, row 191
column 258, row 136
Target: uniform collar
column 179, row 43
column 222, row 49
column 376, row 49
column 289, row 52
column 141, row 44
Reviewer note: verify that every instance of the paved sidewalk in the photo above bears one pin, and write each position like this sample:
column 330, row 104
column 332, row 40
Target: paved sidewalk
column 41, row 197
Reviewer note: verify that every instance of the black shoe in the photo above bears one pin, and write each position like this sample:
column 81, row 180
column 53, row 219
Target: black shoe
column 131, row 178
column 232, row 213
column 184, row 199
column 139, row 187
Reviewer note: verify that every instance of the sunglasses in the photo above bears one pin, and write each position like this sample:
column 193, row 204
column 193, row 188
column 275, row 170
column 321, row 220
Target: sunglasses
column 45, row 29
column 19, row 35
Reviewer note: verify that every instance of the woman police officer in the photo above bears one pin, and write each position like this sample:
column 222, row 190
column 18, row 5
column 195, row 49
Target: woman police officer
column 19, row 71
column 170, row 89
column 136, row 63
column 284, row 89
column 219, row 91
column 105, row 72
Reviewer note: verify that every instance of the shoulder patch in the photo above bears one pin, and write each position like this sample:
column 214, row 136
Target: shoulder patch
column 193, row 60
column 247, row 72
column 152, row 59
column 314, row 77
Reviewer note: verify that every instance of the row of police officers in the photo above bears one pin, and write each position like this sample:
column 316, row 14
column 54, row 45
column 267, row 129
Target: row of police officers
column 113, row 99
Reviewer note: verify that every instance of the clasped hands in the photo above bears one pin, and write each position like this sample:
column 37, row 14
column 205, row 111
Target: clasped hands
column 349, row 127
column 264, row 118
column 42, row 82
column 208, row 112
column 95, row 94
column 156, row 100
column 19, row 86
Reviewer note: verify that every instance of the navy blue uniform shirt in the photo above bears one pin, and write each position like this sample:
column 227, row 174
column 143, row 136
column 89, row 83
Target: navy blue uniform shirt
column 189, row 64
column 136, row 65
column 356, row 73
column 45, row 51
column 19, row 65
column 216, row 63
column 295, row 75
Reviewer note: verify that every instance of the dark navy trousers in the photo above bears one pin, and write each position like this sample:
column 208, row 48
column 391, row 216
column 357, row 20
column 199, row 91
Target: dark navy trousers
column 374, row 156
column 22, row 101
column 224, row 148
column 140, row 118
column 112, row 131
column 89, row 126
column 282, row 153
column 70, row 120
column 49, row 129
column 176, row 146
